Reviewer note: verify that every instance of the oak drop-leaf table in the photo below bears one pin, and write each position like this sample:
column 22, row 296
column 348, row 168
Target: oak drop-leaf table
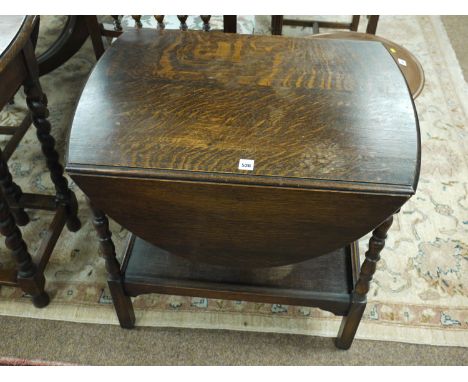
column 246, row 167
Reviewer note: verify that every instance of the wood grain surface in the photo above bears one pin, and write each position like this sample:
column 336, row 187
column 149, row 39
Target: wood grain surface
column 158, row 134
column 324, row 282
column 238, row 225
column 411, row 67
column 311, row 275
column 302, row 109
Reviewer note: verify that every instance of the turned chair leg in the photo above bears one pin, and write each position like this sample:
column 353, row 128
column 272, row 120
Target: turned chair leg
column 122, row 302
column 277, row 24
column 30, row 280
column 37, row 104
column 350, row 323
column 11, row 191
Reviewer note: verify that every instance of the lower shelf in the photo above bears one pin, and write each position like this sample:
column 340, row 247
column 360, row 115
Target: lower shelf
column 325, row 282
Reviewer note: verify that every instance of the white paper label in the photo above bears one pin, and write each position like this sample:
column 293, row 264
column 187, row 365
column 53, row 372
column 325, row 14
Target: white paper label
column 246, row 164
column 402, row 62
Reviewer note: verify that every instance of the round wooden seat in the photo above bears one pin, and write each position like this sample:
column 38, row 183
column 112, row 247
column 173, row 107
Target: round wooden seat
column 408, row 63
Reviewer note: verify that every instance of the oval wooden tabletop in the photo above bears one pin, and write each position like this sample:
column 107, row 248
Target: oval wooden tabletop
column 408, row 63
column 14, row 32
column 193, row 104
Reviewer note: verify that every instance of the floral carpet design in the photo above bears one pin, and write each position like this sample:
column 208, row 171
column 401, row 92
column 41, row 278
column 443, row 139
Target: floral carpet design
column 420, row 290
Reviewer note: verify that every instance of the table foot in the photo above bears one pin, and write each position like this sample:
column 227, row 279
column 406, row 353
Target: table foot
column 349, row 326
column 21, row 217
column 30, row 280
column 122, row 302
column 34, row 286
column 41, row 300
column 350, row 323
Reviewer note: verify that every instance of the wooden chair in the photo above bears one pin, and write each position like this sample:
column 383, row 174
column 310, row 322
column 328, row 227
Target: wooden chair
column 278, row 21
column 98, row 30
column 18, row 67
column 78, row 28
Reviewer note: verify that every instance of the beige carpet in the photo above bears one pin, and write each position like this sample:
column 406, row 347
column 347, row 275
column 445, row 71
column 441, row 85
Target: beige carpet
column 420, row 292
column 91, row 344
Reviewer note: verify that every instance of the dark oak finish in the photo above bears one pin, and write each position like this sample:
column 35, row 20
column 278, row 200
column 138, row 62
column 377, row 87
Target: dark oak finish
column 351, row 322
column 371, row 25
column 330, row 124
column 312, row 275
column 97, row 30
column 230, row 23
column 160, row 21
column 183, row 22
column 333, row 141
column 283, row 102
column 412, row 69
column 121, row 301
column 206, row 22
column 238, row 225
column 18, row 67
column 138, row 23
column 117, row 22
column 27, row 277
column 95, row 34
column 10, row 189
column 324, row 282
column 78, row 28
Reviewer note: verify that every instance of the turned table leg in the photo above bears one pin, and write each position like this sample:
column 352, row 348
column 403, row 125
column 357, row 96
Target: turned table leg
column 37, row 104
column 122, row 302
column 29, row 279
column 350, row 323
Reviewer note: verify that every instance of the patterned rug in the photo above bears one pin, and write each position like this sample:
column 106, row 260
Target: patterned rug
column 420, row 289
